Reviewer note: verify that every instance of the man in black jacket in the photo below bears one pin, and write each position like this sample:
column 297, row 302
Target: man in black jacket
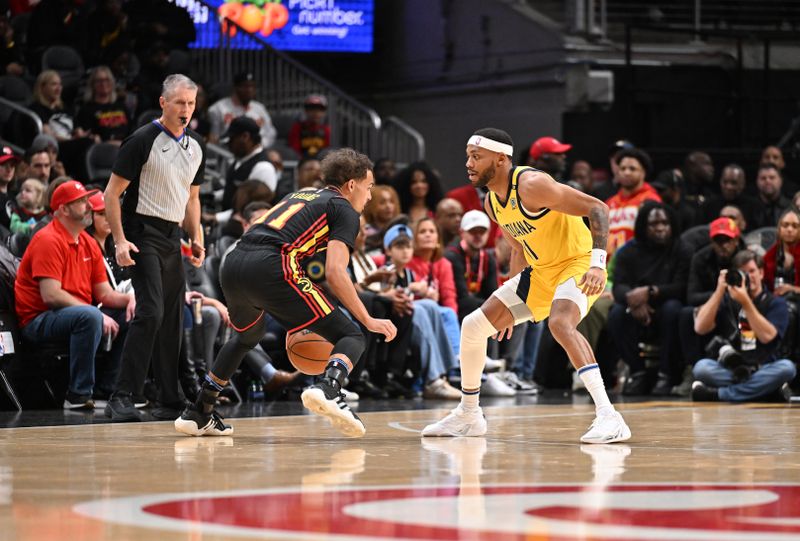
column 251, row 159
column 770, row 202
column 649, row 289
column 731, row 186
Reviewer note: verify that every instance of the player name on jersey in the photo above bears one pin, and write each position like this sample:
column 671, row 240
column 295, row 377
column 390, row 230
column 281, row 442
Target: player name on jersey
column 518, row 229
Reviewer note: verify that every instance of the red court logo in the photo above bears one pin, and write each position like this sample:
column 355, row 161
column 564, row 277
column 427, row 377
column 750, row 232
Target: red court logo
column 496, row 512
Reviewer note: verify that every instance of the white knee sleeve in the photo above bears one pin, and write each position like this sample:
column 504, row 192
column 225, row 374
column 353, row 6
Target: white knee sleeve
column 475, row 329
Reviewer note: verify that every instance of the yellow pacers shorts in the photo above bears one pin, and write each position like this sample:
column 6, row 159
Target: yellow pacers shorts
column 530, row 294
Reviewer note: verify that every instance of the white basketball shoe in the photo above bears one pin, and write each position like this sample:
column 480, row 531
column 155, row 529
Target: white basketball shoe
column 607, row 428
column 459, row 422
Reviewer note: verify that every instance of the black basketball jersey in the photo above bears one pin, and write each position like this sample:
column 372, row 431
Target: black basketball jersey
column 303, row 223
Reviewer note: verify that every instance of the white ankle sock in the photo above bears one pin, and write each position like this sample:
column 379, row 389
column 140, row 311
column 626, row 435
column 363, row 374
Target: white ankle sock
column 469, row 401
column 590, row 375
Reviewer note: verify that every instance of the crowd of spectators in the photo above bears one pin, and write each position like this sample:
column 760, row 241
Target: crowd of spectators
column 673, row 320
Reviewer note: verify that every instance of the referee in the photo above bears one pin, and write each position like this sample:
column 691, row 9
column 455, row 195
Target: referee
column 159, row 169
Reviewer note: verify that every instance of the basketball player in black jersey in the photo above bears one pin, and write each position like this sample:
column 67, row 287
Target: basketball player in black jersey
column 263, row 273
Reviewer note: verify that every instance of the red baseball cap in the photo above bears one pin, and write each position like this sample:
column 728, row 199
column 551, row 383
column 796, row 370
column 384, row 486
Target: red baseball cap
column 723, row 226
column 68, row 192
column 547, row 145
column 98, row 202
column 7, row 154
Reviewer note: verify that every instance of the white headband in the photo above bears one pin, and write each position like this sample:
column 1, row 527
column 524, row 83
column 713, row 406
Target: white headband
column 491, row 144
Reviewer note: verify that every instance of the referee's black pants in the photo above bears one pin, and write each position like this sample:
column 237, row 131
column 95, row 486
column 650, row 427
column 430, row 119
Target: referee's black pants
column 156, row 330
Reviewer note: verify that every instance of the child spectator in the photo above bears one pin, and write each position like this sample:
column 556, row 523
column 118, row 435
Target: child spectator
column 311, row 134
column 428, row 337
column 30, row 206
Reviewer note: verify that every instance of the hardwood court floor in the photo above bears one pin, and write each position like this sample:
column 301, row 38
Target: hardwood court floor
column 689, row 472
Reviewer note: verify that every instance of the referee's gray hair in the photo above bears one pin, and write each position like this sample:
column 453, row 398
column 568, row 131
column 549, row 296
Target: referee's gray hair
column 175, row 81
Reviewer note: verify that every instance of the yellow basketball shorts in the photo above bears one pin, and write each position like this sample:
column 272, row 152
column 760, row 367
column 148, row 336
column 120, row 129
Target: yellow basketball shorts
column 530, row 294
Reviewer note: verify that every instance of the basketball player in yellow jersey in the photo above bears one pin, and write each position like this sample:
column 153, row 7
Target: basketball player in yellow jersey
column 558, row 265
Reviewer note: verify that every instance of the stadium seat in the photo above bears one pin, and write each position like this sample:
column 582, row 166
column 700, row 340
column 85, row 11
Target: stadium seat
column 69, row 65
column 695, row 237
column 20, row 23
column 15, row 89
column 17, row 243
column 99, row 161
column 287, row 153
column 283, row 123
column 147, row 116
column 763, row 236
column 179, row 62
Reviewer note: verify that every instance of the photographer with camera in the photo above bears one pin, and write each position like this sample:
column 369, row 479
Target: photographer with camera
column 748, row 323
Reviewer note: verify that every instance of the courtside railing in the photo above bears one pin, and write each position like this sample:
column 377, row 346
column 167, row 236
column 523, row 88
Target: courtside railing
column 283, row 84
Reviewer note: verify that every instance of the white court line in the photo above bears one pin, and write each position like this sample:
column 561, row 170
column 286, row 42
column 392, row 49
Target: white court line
column 399, row 426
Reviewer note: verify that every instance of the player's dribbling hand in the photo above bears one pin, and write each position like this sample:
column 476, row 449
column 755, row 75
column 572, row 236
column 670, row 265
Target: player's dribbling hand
column 593, row 282
column 123, row 253
column 382, row 326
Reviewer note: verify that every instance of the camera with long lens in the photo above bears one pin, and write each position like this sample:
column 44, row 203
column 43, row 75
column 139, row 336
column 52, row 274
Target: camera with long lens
column 729, row 357
column 736, row 278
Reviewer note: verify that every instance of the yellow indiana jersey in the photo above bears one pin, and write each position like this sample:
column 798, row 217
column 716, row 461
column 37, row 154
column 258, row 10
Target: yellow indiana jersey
column 548, row 237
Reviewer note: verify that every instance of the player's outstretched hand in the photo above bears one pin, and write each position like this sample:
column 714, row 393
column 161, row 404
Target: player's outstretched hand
column 593, row 281
column 382, row 326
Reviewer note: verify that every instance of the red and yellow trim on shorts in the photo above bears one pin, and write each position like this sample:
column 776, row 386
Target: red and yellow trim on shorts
column 316, row 234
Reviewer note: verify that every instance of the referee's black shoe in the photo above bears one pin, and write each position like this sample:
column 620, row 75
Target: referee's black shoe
column 120, row 408
column 195, row 423
column 325, row 398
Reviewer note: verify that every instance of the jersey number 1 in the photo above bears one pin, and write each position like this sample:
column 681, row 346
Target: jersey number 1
column 280, row 220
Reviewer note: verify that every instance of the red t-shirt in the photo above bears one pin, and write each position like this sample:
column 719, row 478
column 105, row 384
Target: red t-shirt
column 622, row 212
column 53, row 253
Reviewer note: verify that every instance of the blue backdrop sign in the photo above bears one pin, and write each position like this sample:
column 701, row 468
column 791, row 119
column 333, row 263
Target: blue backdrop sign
column 291, row 25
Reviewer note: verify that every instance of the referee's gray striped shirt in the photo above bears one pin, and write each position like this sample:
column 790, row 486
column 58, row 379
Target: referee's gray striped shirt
column 161, row 169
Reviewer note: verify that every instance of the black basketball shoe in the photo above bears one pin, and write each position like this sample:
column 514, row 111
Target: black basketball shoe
column 325, row 398
column 195, row 423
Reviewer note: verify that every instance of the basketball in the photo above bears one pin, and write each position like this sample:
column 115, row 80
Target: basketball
column 308, row 352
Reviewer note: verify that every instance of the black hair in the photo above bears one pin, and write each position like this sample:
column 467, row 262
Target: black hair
column 305, row 160
column 639, row 155
column 401, row 238
column 498, row 135
column 402, row 185
column 344, row 164
column 640, row 225
column 33, row 151
column 772, row 166
column 493, row 133
column 669, row 178
column 253, row 206
column 733, row 165
column 791, row 209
